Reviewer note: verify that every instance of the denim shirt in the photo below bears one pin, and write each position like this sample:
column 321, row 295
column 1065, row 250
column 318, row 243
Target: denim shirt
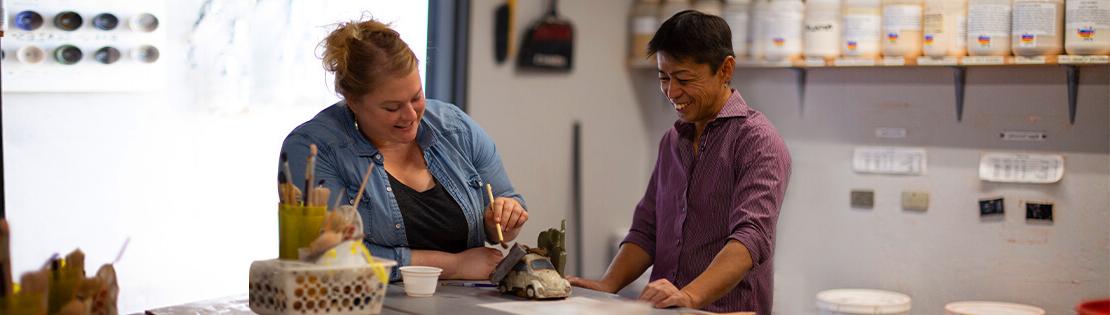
column 459, row 154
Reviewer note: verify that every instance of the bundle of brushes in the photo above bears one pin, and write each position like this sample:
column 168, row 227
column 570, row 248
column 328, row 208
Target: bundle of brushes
column 290, row 194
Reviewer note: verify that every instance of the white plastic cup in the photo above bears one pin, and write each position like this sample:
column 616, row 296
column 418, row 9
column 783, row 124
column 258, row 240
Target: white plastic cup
column 420, row 281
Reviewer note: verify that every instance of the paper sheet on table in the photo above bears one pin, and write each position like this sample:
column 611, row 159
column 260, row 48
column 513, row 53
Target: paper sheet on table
column 1021, row 168
column 889, row 160
column 573, row 305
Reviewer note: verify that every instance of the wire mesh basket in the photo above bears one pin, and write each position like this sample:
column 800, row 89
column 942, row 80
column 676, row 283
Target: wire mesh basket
column 295, row 288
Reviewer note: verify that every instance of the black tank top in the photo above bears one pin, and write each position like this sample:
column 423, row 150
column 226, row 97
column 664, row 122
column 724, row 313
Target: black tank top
column 433, row 220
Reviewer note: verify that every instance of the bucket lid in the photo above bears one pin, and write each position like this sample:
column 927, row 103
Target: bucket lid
column 863, row 301
column 991, row 308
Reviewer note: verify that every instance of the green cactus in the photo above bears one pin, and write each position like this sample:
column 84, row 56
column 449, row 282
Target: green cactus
column 554, row 241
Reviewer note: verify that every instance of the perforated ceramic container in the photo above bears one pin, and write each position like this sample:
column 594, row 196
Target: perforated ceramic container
column 293, row 287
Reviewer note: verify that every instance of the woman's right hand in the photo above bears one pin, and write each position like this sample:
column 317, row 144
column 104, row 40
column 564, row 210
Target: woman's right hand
column 476, row 263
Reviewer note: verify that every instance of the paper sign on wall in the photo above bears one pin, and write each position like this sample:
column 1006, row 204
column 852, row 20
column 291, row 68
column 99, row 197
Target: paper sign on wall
column 1021, row 168
column 889, row 160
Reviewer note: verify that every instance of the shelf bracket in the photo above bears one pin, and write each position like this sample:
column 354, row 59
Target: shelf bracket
column 801, row 89
column 960, row 81
column 1073, row 91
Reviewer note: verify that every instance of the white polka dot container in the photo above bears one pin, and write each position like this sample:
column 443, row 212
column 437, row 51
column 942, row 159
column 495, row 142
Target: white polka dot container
column 294, row 287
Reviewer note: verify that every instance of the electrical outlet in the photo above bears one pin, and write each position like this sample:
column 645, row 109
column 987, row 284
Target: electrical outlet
column 915, row 200
column 1038, row 211
column 991, row 206
column 863, row 199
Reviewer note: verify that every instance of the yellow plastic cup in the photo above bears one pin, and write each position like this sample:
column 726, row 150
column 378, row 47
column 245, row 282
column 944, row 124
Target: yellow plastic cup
column 23, row 304
column 298, row 226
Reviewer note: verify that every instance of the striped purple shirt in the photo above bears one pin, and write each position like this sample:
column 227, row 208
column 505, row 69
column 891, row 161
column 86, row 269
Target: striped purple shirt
column 732, row 190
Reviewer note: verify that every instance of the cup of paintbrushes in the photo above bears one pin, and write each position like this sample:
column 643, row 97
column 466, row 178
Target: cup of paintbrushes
column 298, row 226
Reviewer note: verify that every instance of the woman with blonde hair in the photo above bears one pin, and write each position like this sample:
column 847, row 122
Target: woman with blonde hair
column 425, row 201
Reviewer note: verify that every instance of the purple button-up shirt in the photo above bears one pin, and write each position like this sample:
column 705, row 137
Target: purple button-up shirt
column 731, row 190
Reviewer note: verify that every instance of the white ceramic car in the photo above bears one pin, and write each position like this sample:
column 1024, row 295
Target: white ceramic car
column 535, row 277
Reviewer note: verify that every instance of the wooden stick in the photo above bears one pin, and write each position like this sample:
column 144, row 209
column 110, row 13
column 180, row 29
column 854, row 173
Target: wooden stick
column 362, row 187
column 500, row 237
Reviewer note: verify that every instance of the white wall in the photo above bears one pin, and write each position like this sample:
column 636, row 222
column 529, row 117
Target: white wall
column 530, row 116
column 187, row 173
column 942, row 255
column 947, row 253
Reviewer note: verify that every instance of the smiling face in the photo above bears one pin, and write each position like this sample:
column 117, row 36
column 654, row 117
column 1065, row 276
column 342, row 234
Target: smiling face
column 391, row 114
column 696, row 92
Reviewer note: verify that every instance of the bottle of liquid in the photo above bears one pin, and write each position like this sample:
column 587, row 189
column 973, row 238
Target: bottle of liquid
column 1038, row 27
column 822, row 29
column 644, row 22
column 862, row 26
column 758, row 29
column 711, row 7
column 902, row 28
column 736, row 13
column 1088, row 27
column 784, row 30
column 988, row 27
column 670, row 7
column 945, row 28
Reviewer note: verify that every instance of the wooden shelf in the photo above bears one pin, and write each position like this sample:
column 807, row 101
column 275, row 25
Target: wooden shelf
column 958, row 64
column 966, row 61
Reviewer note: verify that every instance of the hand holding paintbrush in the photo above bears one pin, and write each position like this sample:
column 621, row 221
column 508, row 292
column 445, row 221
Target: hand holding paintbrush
column 506, row 215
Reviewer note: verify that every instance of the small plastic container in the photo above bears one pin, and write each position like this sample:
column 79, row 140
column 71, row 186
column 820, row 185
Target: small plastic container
column 822, row 29
column 758, row 29
column 862, row 26
column 990, row 308
column 862, row 301
column 1038, row 27
column 420, row 281
column 988, row 27
column 736, row 13
column 944, row 28
column 298, row 288
column 1087, row 30
column 644, row 21
column 784, row 30
column 902, row 28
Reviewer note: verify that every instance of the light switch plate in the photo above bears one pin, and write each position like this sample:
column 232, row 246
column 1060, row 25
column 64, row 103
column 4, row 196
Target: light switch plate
column 863, row 199
column 992, row 206
column 1038, row 211
column 915, row 200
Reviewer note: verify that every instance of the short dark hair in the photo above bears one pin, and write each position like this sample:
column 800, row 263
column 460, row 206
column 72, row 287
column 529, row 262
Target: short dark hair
column 691, row 34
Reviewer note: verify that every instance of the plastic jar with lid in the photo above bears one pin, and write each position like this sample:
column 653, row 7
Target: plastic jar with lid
column 735, row 13
column 822, row 29
column 901, row 28
column 1087, row 29
column 784, row 30
column 988, row 27
column 1037, row 27
column 644, row 21
column 758, row 29
column 711, row 7
column 862, row 26
column 944, row 27
column 670, row 7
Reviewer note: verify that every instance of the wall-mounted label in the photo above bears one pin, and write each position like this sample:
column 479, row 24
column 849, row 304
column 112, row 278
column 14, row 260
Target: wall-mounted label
column 890, row 133
column 889, row 160
column 1021, row 168
column 1023, row 136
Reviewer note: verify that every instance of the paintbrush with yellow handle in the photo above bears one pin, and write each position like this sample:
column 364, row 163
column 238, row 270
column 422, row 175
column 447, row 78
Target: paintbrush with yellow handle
column 500, row 236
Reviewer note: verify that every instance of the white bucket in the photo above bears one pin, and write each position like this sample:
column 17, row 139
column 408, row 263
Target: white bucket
column 990, row 308
column 862, row 301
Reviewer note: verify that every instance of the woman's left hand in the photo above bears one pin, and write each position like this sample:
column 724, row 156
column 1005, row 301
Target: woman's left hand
column 509, row 213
